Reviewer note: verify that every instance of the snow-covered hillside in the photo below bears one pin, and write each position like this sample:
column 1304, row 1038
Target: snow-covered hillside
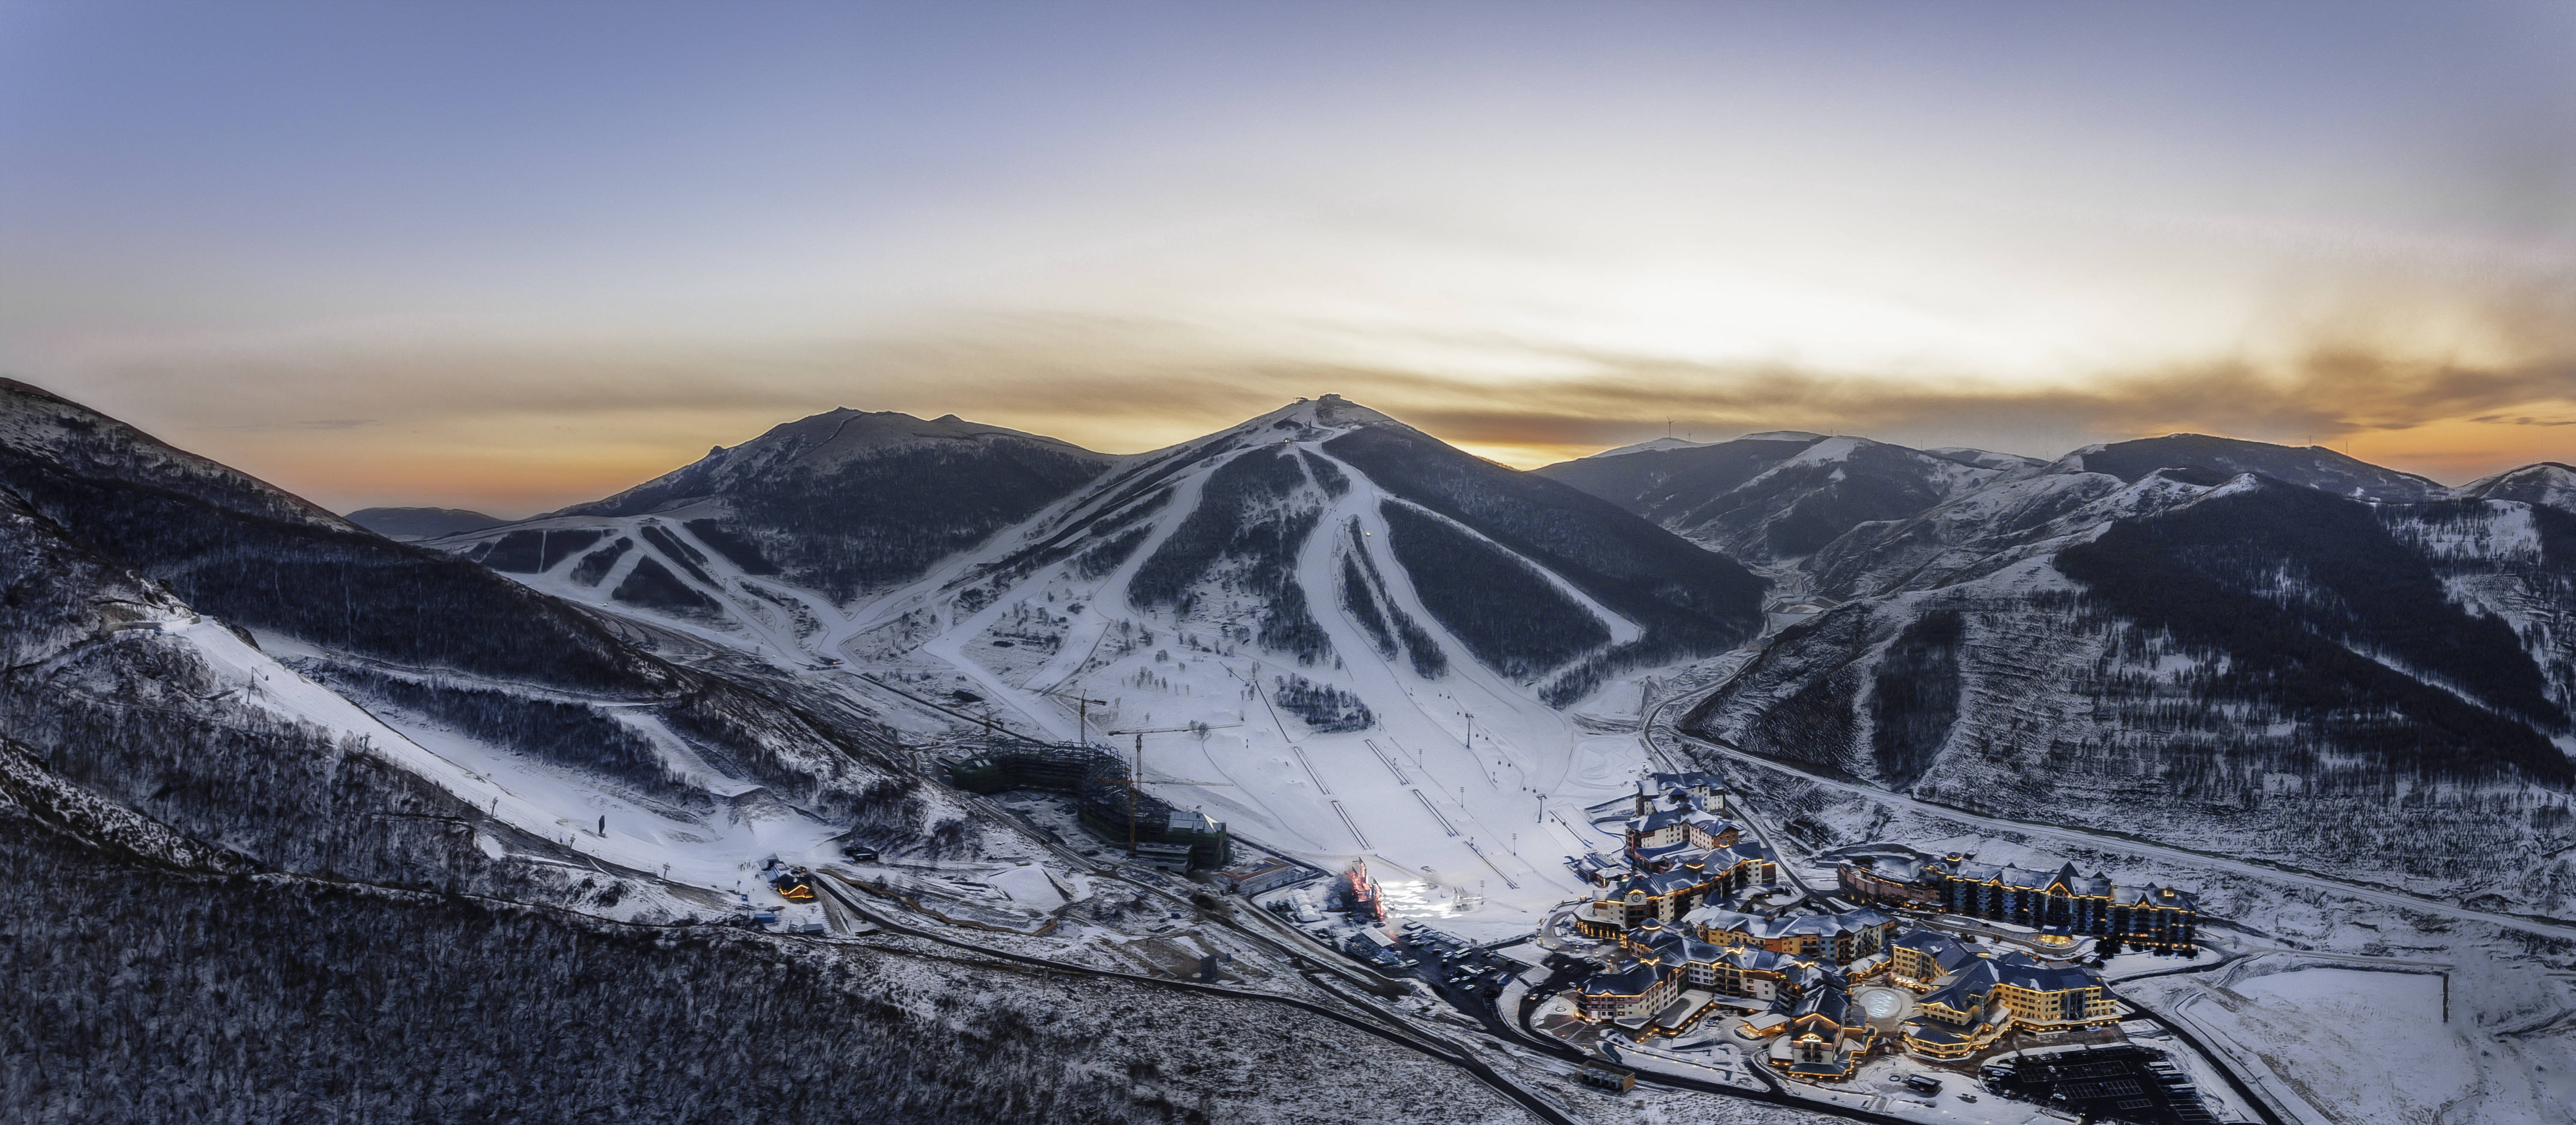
column 848, row 502
column 2548, row 483
column 1775, row 498
column 2248, row 667
column 263, row 644
column 1651, row 446
column 376, row 836
column 1369, row 634
column 2312, row 466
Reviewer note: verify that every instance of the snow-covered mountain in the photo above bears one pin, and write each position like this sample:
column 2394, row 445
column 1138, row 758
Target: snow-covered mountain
column 2258, row 649
column 849, row 502
column 449, row 671
column 1651, row 446
column 2216, row 458
column 1321, row 586
column 1379, row 634
column 337, row 824
column 2547, row 483
column 1778, row 497
column 2236, row 663
column 488, row 783
column 1540, row 583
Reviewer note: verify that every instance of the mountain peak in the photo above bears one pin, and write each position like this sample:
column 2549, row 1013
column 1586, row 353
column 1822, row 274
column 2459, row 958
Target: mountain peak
column 2308, row 467
column 2547, row 482
column 1656, row 445
column 1310, row 418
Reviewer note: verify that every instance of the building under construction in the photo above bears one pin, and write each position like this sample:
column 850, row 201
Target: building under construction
column 1103, row 791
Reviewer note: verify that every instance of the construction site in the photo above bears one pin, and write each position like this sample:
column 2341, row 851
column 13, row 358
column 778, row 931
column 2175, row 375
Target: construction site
column 1108, row 802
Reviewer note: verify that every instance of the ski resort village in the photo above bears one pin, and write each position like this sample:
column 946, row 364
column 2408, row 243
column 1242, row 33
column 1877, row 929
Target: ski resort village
column 1252, row 706
column 1313, row 770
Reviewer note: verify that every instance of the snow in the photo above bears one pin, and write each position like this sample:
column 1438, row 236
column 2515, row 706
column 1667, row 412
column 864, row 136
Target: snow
column 1462, row 798
column 1442, row 797
column 1656, row 446
column 820, row 442
column 2346, row 1045
column 1030, row 887
column 720, row 851
column 1985, row 458
column 1825, row 452
column 2546, row 483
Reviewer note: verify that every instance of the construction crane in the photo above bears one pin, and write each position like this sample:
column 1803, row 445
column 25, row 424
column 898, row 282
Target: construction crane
column 1136, row 776
column 1081, row 712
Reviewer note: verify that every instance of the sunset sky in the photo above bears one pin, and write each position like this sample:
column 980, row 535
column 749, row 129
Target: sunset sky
column 510, row 256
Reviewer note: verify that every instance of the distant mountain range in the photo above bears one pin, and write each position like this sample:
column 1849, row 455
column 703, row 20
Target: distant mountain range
column 1360, row 561
column 2248, row 647
column 2372, row 619
column 282, row 766
column 553, row 749
column 406, row 524
column 1772, row 498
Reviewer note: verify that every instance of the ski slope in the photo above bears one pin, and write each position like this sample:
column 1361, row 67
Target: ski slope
column 1464, row 795
column 718, row 851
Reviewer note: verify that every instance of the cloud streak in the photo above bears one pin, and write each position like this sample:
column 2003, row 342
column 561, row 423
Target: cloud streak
column 527, row 426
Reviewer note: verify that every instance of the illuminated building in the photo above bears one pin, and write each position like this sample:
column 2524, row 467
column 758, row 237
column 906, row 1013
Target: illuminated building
column 1839, row 939
column 1994, row 993
column 2061, row 901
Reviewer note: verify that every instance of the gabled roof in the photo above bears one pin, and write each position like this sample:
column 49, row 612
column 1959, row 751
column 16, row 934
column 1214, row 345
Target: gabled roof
column 1830, row 1002
column 2021, row 971
column 1738, row 852
column 1970, row 986
column 1693, row 779
column 1799, row 925
column 1935, row 1032
column 1672, row 882
column 2065, row 879
column 1674, row 948
column 1808, row 974
column 1633, row 980
column 1752, row 960
column 1944, row 950
column 2154, row 895
column 1718, row 917
column 1664, row 818
column 1966, row 990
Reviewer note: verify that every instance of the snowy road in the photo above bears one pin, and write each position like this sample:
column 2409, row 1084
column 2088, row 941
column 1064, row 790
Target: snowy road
column 2114, row 843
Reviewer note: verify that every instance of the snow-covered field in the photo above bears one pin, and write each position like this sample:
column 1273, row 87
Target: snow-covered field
column 2349, row 1045
column 721, row 851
